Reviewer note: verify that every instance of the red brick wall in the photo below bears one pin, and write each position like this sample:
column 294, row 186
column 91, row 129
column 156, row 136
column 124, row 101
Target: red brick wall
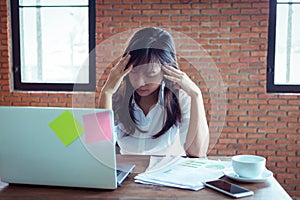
column 234, row 33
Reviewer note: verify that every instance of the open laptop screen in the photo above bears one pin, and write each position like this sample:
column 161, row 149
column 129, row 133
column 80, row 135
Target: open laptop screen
column 58, row 146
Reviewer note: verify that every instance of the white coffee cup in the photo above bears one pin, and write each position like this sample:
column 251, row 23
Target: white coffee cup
column 248, row 166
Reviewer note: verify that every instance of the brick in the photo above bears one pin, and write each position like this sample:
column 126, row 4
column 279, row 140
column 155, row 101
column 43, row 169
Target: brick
column 287, row 119
column 293, row 159
column 243, row 151
column 156, row 6
column 277, row 113
column 12, row 99
column 225, row 152
column 260, row 5
column 267, row 130
column 31, row 99
column 221, row 5
column 230, row 11
column 235, row 146
column 209, row 24
column 151, row 12
column 58, row 104
column 267, row 142
column 19, row 104
column 226, row 141
column 160, row 18
column 210, row 12
column 241, row 5
column 131, row 12
column 288, row 107
column 111, row 1
column 171, row 12
column 220, row 146
column 277, row 124
column 248, row 11
column 256, row 124
column 221, row 18
column 40, row 104
column 277, row 158
column 230, row 24
column 247, row 130
column 48, row 100
column 276, row 136
column 248, row 107
column 256, row 147
column 285, row 176
column 181, row 6
column 190, row 12
column 293, row 148
column 256, row 135
column 293, row 102
column 292, row 134
column 119, row 7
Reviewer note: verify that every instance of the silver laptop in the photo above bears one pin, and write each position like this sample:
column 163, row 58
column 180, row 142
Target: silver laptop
column 59, row 147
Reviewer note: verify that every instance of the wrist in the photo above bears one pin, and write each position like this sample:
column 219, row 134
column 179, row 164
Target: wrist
column 106, row 91
column 195, row 94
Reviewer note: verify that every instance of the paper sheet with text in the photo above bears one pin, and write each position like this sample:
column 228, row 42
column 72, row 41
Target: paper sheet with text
column 187, row 173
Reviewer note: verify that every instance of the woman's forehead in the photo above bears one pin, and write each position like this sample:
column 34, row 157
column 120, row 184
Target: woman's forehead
column 148, row 66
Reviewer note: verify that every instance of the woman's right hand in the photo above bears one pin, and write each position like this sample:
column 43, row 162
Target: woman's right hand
column 116, row 75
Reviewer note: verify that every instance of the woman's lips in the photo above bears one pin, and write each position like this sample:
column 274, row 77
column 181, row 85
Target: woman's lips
column 141, row 90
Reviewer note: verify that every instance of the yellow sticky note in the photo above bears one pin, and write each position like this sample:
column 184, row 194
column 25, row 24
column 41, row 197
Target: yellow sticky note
column 66, row 127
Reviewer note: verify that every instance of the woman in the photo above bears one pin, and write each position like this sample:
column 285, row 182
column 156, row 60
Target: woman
column 158, row 109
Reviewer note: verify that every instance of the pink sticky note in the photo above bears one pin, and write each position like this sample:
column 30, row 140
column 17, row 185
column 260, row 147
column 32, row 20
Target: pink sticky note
column 97, row 127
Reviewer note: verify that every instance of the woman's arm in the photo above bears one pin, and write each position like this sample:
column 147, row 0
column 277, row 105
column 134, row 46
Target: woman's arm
column 105, row 99
column 113, row 82
column 197, row 139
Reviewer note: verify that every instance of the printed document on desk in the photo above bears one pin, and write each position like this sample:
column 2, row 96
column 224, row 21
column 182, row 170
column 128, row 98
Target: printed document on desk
column 186, row 173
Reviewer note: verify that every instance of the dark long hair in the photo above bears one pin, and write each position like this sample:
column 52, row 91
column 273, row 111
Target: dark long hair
column 148, row 45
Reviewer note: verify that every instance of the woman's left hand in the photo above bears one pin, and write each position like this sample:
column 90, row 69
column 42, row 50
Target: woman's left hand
column 181, row 80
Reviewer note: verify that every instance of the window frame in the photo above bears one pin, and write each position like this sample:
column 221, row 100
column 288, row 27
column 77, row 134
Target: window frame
column 271, row 86
column 16, row 56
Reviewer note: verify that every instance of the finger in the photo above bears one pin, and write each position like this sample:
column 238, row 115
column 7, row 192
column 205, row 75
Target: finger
column 125, row 61
column 172, row 78
column 128, row 70
column 173, row 69
column 171, row 72
column 120, row 66
column 125, row 58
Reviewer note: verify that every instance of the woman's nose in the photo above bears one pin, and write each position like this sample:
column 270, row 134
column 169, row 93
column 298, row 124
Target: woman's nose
column 139, row 80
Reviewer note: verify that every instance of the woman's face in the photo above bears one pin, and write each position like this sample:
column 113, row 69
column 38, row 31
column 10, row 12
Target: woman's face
column 145, row 79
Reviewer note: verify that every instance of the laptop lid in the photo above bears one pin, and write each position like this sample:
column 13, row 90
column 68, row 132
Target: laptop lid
column 58, row 146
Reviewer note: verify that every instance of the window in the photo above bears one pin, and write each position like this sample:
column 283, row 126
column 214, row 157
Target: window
column 53, row 45
column 283, row 70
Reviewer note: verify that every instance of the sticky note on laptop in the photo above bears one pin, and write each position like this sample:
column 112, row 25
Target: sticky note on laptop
column 66, row 127
column 97, row 127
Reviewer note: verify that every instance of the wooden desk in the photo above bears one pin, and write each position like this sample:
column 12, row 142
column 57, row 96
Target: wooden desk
column 130, row 190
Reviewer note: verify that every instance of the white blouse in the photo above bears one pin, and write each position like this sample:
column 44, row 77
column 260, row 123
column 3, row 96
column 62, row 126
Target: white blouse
column 142, row 143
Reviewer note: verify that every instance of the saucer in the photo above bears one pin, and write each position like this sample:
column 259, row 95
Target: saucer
column 263, row 177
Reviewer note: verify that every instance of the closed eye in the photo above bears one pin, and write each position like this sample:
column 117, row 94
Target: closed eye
column 153, row 73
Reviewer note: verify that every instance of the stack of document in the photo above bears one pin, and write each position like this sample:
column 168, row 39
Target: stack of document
column 186, row 173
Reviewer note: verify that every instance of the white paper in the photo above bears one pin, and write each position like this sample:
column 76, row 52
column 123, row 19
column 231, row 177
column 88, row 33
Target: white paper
column 187, row 173
column 3, row 185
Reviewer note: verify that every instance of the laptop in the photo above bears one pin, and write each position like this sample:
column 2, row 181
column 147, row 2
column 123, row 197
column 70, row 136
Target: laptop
column 73, row 147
